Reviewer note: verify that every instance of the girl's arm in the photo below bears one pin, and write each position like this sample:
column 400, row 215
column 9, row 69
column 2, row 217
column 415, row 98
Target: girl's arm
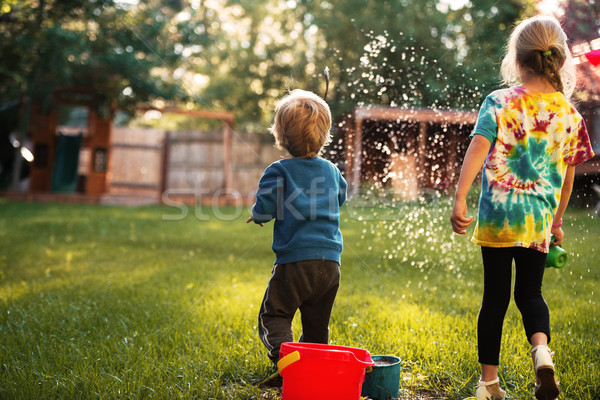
column 476, row 154
column 565, row 195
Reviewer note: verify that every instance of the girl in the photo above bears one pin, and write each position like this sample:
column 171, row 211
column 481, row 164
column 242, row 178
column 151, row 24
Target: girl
column 529, row 139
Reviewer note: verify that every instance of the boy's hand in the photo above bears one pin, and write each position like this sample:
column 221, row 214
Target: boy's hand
column 459, row 219
column 250, row 220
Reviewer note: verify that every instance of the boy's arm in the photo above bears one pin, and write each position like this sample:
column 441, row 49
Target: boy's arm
column 474, row 158
column 565, row 195
column 265, row 207
column 343, row 189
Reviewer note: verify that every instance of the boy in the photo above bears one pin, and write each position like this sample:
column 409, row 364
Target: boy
column 303, row 194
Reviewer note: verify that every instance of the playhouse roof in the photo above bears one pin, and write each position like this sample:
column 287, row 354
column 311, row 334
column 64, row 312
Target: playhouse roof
column 415, row 115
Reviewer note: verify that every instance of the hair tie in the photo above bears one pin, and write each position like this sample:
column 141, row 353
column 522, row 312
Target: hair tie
column 547, row 53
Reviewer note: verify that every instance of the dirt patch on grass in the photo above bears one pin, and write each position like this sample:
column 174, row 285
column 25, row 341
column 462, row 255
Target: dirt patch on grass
column 423, row 394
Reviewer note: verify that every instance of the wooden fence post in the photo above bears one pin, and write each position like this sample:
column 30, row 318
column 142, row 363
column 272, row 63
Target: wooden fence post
column 166, row 151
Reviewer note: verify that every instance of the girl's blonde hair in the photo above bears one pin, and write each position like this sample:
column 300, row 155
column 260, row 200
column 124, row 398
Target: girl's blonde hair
column 538, row 47
column 302, row 123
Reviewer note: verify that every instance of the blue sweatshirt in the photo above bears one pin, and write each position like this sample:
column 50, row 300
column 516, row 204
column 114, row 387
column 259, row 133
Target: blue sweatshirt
column 304, row 196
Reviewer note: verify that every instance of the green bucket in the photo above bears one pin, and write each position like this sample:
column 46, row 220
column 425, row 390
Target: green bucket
column 382, row 382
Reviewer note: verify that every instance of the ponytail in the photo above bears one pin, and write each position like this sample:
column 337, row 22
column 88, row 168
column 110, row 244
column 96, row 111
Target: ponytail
column 552, row 61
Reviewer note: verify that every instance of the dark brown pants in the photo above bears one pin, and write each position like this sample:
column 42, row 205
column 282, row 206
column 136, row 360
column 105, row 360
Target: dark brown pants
column 310, row 286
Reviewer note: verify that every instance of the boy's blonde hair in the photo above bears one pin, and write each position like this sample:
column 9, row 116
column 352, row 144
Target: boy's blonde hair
column 302, row 123
column 538, row 47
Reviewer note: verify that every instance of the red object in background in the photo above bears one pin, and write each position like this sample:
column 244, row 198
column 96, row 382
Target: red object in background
column 593, row 57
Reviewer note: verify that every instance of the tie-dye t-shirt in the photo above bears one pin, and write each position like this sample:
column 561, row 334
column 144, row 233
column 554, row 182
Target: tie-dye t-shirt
column 535, row 137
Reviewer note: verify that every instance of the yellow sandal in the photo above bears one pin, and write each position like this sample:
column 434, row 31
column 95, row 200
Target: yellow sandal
column 486, row 390
column 548, row 387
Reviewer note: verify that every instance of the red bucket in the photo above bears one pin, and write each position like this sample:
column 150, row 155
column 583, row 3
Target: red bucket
column 313, row 371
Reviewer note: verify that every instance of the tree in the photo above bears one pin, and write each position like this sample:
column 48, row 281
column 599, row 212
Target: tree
column 406, row 53
column 243, row 55
column 257, row 50
column 427, row 54
column 51, row 44
column 581, row 20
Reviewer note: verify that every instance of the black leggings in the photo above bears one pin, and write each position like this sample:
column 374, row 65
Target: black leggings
column 497, row 269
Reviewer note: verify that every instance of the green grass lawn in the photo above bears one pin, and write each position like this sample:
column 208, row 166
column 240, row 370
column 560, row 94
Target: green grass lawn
column 115, row 302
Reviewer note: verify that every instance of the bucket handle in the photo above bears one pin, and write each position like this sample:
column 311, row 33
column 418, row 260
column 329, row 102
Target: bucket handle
column 287, row 360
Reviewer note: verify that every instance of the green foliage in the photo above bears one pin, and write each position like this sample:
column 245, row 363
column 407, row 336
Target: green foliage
column 243, row 55
column 118, row 302
column 404, row 53
column 89, row 44
column 485, row 28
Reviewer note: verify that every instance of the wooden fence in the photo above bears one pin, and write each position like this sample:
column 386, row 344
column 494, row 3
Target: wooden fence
column 188, row 166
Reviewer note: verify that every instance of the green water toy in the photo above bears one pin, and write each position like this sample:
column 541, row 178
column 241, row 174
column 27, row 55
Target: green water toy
column 557, row 256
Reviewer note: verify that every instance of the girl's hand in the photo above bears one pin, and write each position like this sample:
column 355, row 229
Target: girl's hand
column 459, row 219
column 559, row 235
column 250, row 220
column 474, row 159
